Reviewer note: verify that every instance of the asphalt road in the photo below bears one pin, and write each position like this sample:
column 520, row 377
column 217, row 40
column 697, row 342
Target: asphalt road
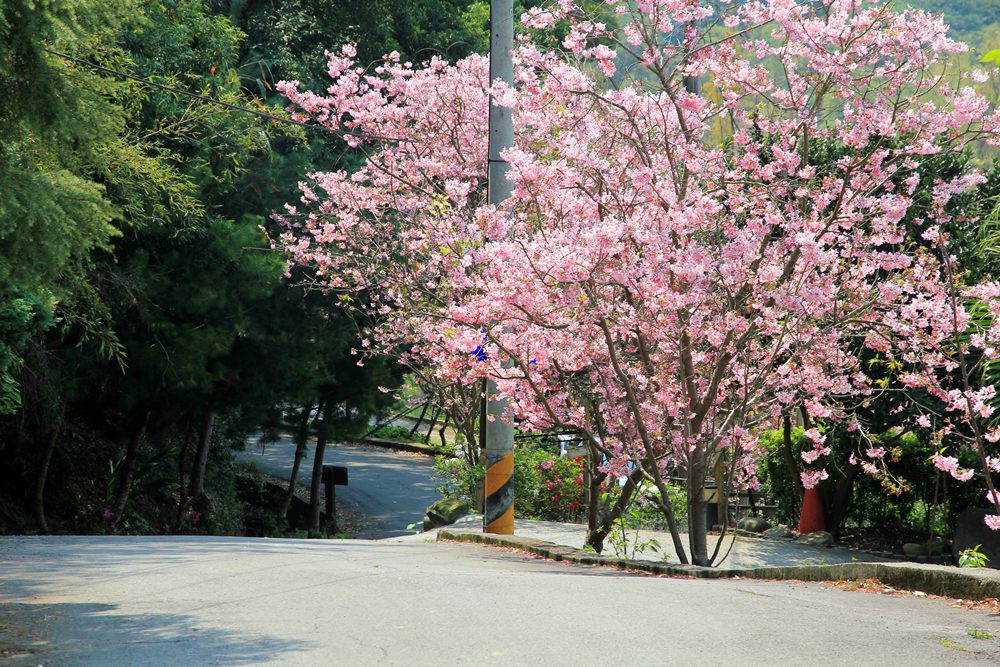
column 238, row 601
column 390, row 489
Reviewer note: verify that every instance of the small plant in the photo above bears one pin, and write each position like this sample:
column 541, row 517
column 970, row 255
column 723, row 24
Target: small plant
column 978, row 634
column 972, row 557
column 625, row 540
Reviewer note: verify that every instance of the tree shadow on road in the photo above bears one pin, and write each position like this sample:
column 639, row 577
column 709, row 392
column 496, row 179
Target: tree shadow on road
column 95, row 634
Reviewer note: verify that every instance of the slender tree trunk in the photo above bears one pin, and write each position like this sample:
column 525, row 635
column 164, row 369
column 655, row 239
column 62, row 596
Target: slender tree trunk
column 430, row 429
column 480, row 501
column 722, row 494
column 196, row 482
column 43, row 471
column 593, row 496
column 182, row 501
column 301, row 438
column 129, row 465
column 315, row 490
column 447, row 418
column 420, row 419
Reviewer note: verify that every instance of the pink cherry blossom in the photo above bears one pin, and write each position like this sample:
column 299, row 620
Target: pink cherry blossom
column 662, row 293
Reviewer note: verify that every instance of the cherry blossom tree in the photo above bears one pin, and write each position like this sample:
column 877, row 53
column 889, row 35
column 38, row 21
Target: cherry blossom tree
column 679, row 266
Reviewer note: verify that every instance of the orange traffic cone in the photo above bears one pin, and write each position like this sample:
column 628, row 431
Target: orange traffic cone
column 812, row 519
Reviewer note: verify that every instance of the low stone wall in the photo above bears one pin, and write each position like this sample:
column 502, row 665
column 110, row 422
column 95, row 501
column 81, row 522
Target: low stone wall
column 970, row 584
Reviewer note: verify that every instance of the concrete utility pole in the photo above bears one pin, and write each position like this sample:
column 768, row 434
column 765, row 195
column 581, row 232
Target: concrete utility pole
column 498, row 436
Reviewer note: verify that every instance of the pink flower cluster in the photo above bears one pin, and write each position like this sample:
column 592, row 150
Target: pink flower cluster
column 949, row 464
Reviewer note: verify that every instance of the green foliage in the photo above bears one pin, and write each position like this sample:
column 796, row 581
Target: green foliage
column 56, row 120
column 972, row 557
column 21, row 316
column 966, row 17
column 460, row 480
column 624, row 538
column 135, row 278
column 911, row 501
column 287, row 38
column 546, row 487
column 776, row 483
column 393, row 433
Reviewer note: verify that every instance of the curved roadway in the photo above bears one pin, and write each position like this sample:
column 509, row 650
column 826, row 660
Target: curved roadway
column 389, row 489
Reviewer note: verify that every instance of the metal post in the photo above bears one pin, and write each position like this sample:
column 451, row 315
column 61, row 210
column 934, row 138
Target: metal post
column 499, row 437
column 331, row 506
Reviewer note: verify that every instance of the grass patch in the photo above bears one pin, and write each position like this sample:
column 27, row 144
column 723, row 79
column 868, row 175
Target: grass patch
column 947, row 643
column 978, row 634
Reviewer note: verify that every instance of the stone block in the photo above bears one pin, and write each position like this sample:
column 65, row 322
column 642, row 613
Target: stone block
column 819, row 538
column 779, row 532
column 444, row 513
column 753, row 524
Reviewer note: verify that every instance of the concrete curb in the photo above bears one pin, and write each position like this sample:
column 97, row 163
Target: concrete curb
column 951, row 582
column 414, row 447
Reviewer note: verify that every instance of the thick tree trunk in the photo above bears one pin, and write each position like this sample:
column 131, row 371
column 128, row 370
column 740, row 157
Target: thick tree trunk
column 593, row 482
column 841, row 501
column 196, row 489
column 301, row 439
column 596, row 536
column 196, row 481
column 129, row 465
column 43, row 472
column 315, row 490
column 697, row 521
column 447, row 418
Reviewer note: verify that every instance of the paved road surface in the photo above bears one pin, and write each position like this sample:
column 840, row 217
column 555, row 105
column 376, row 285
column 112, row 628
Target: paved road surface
column 238, row 601
column 391, row 489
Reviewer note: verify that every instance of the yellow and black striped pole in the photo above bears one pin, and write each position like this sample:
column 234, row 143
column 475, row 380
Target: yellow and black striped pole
column 497, row 436
column 498, row 509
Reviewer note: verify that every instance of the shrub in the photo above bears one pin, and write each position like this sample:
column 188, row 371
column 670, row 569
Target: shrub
column 546, row 487
column 393, row 433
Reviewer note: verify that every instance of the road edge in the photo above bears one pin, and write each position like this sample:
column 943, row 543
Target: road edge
column 943, row 580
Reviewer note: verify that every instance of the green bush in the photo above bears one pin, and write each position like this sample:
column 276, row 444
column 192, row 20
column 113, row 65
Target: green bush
column 458, row 479
column 546, row 487
column 393, row 433
column 902, row 504
column 647, row 514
